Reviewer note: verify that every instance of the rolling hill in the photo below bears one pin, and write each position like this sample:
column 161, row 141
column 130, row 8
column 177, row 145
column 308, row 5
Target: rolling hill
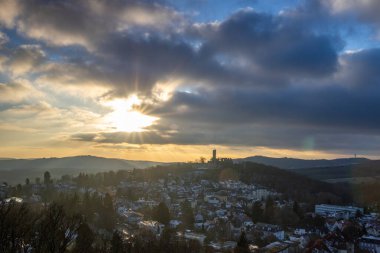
column 294, row 163
column 366, row 171
column 16, row 170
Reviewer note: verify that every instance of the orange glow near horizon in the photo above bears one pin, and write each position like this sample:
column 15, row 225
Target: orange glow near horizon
column 162, row 153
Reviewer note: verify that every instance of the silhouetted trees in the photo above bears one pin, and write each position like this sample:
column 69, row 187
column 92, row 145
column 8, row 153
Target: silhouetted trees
column 84, row 240
column 50, row 230
column 242, row 244
column 161, row 213
column 269, row 210
column 292, row 185
column 107, row 215
column 47, row 178
column 257, row 212
column 187, row 214
column 56, row 230
column 16, row 226
column 117, row 245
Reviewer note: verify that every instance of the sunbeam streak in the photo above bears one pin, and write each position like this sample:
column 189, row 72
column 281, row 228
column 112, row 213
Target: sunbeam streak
column 124, row 118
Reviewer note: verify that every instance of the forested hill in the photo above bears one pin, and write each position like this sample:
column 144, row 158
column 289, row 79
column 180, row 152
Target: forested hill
column 16, row 170
column 294, row 163
column 369, row 170
column 292, row 184
column 286, row 182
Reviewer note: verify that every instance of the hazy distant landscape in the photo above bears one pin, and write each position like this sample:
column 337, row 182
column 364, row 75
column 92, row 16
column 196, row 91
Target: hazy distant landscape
column 294, row 163
column 16, row 170
column 335, row 170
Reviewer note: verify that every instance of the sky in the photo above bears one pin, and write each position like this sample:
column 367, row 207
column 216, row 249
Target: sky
column 171, row 80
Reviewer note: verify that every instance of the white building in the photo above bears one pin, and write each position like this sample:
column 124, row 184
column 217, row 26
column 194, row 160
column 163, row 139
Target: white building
column 370, row 243
column 337, row 211
column 269, row 229
column 153, row 226
column 195, row 236
column 276, row 247
column 174, row 223
column 227, row 245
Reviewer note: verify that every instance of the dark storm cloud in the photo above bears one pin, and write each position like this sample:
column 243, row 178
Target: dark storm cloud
column 247, row 49
column 346, row 109
column 275, row 43
column 279, row 136
column 361, row 69
column 338, row 118
column 135, row 41
column 273, row 49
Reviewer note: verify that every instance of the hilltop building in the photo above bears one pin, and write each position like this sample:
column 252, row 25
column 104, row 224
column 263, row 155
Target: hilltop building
column 219, row 162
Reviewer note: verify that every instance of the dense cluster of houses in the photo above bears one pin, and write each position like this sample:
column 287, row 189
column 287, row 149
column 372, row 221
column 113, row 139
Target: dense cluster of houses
column 219, row 209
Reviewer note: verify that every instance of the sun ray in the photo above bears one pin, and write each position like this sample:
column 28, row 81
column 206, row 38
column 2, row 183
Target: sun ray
column 125, row 118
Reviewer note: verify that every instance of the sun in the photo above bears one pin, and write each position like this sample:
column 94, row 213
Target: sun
column 124, row 118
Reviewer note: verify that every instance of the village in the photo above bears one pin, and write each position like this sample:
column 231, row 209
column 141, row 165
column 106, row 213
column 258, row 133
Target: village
column 221, row 214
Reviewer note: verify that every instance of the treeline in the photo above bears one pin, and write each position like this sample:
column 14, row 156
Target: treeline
column 286, row 216
column 303, row 189
column 292, row 185
column 367, row 194
column 26, row 229
column 60, row 228
column 112, row 178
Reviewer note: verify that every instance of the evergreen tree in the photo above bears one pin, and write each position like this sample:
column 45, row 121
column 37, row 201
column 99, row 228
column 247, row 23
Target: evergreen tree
column 84, row 240
column 257, row 212
column 56, row 230
column 187, row 214
column 161, row 213
column 269, row 210
column 117, row 243
column 297, row 210
column 242, row 245
column 16, row 226
column 107, row 214
column 47, row 178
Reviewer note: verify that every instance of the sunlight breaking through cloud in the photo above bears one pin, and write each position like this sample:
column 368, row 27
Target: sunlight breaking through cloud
column 124, row 118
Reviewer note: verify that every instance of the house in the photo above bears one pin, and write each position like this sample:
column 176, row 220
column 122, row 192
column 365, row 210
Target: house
column 188, row 235
column 248, row 224
column 276, row 247
column 199, row 218
column 153, row 226
column 223, row 246
column 221, row 196
column 133, row 217
column 370, row 243
column 337, row 211
column 174, row 223
column 269, row 229
column 300, row 231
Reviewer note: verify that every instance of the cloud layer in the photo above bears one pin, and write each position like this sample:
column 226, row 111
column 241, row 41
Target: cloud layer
column 279, row 80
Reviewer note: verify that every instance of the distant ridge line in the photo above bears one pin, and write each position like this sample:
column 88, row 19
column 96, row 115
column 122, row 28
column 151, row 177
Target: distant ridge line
column 295, row 163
